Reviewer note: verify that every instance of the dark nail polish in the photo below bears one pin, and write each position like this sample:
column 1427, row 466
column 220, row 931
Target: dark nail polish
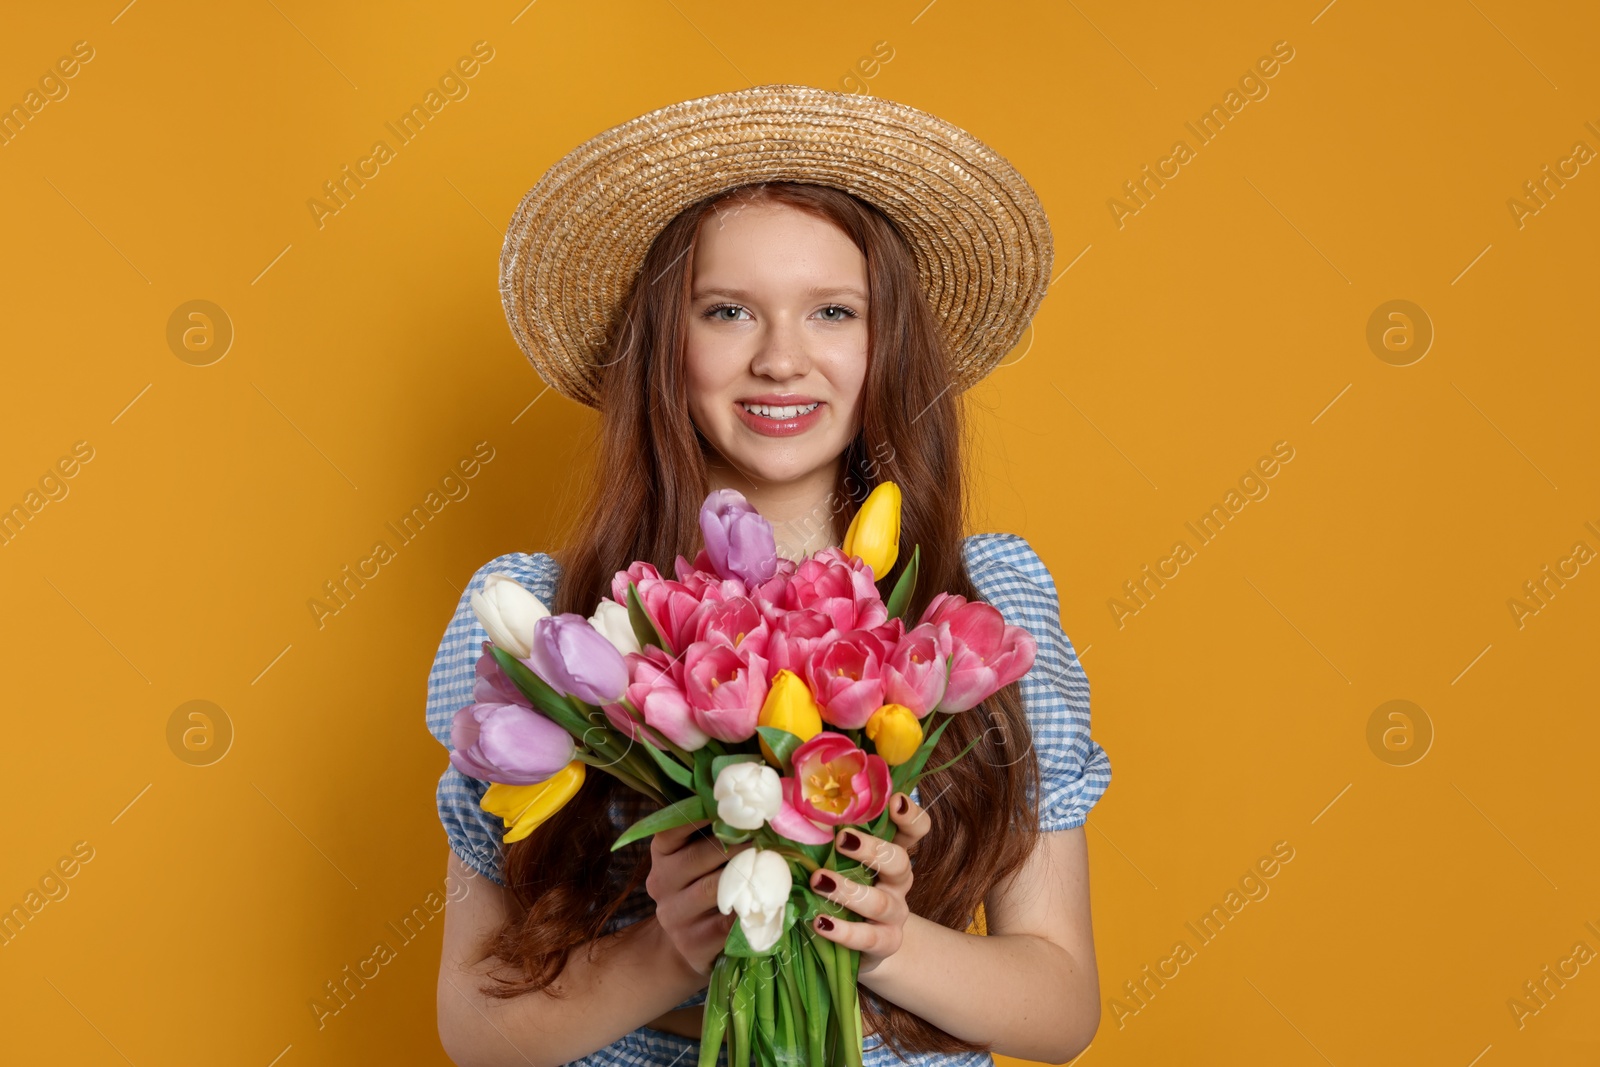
column 851, row 841
column 900, row 806
column 825, row 883
column 824, row 923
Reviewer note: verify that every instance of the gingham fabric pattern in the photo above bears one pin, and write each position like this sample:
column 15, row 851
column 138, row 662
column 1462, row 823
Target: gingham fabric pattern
column 1074, row 770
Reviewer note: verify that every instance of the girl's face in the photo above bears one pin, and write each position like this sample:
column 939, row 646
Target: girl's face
column 777, row 342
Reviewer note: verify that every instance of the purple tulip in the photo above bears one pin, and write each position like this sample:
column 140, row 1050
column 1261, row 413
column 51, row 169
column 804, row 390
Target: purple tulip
column 578, row 660
column 739, row 541
column 507, row 743
column 490, row 684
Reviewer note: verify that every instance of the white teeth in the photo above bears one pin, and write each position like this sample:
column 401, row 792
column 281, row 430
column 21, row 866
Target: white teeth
column 772, row 412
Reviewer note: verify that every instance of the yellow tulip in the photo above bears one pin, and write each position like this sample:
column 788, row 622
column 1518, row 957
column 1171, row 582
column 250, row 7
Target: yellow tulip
column 523, row 807
column 895, row 732
column 789, row 706
column 874, row 533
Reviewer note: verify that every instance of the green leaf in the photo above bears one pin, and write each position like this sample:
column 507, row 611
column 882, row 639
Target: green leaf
column 795, row 1052
column 850, row 1020
column 783, row 743
column 703, row 782
column 912, row 767
column 644, row 627
column 766, row 1013
column 814, row 991
column 675, row 770
column 715, row 1019
column 900, row 600
column 743, row 1017
column 560, row 709
column 687, row 810
column 956, row 757
column 730, row 835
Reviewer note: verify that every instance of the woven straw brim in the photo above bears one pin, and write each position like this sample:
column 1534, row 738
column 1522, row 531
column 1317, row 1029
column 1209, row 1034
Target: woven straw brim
column 977, row 231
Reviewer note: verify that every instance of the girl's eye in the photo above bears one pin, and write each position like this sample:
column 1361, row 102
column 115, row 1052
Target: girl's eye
column 830, row 313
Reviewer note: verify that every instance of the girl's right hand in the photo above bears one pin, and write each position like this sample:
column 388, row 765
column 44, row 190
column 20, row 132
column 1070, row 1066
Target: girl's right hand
column 684, row 871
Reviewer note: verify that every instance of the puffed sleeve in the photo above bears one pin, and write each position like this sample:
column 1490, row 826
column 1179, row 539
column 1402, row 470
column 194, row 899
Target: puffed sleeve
column 473, row 833
column 1074, row 771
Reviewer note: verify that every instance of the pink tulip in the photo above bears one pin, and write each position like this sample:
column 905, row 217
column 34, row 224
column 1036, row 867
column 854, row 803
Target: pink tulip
column 835, row 783
column 507, row 743
column 846, row 677
column 793, row 636
column 724, row 689
column 890, row 633
column 735, row 622
column 639, row 573
column 707, row 584
column 772, row 590
column 987, row 654
column 656, row 690
column 669, row 604
column 838, row 586
column 918, row 668
column 790, row 822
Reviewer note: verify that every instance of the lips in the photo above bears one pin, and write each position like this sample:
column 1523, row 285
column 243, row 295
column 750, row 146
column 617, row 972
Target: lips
column 788, row 422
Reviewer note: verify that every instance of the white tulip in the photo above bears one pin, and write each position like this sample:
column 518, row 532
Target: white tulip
column 508, row 612
column 756, row 884
column 611, row 619
column 747, row 794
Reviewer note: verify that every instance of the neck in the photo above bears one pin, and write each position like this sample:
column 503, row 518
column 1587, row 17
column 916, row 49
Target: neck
column 801, row 512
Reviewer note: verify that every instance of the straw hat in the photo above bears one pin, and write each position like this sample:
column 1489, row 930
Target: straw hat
column 976, row 228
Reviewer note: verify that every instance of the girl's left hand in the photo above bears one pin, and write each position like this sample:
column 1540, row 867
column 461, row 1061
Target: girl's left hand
column 882, row 906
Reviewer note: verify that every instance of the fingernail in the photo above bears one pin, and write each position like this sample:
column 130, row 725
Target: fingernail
column 850, row 840
column 826, row 883
column 824, row 923
column 900, row 805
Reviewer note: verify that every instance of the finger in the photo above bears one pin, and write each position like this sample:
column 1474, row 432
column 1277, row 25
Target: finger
column 867, row 901
column 865, row 937
column 910, row 825
column 676, row 837
column 703, row 892
column 710, row 856
column 889, row 860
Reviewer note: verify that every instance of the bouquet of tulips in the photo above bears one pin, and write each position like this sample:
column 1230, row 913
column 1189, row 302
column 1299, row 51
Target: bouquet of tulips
column 780, row 700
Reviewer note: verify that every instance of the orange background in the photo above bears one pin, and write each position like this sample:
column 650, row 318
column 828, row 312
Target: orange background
column 1229, row 313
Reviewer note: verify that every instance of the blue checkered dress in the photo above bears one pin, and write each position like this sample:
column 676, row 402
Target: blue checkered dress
column 1074, row 770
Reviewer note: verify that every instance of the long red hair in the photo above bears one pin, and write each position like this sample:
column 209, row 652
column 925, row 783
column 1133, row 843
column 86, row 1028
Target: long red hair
column 647, row 486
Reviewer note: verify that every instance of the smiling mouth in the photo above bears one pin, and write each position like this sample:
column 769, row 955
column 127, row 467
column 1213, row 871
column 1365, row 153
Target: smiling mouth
column 780, row 412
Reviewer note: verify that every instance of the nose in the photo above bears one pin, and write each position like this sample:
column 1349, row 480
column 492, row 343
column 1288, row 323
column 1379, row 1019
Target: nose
column 782, row 353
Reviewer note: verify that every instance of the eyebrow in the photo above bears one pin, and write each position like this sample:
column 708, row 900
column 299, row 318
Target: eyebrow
column 815, row 290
